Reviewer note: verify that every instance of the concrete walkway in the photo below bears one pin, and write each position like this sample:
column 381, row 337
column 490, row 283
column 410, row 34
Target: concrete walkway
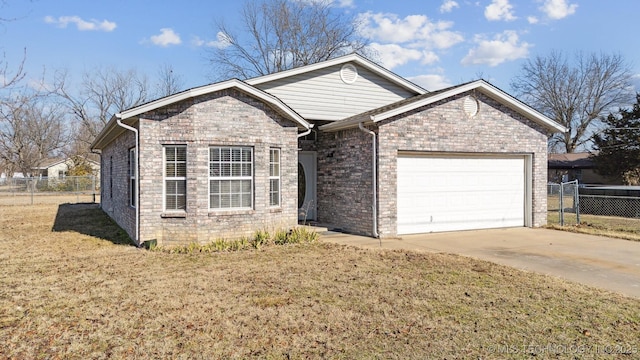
column 607, row 263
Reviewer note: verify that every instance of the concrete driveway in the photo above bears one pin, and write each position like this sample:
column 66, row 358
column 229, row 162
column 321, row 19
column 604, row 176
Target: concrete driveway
column 597, row 261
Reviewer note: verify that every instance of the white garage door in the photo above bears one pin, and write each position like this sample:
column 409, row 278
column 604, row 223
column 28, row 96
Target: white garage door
column 447, row 193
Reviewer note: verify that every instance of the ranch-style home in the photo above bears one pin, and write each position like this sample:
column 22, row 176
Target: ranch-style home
column 344, row 142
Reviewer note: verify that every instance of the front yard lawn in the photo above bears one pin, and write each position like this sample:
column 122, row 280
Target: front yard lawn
column 70, row 287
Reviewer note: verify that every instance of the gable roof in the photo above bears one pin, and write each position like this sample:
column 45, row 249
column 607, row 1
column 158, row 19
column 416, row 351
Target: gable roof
column 56, row 161
column 111, row 130
column 581, row 160
column 415, row 102
column 354, row 58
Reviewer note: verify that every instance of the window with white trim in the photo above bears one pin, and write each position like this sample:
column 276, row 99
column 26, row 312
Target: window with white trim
column 274, row 177
column 230, row 177
column 175, row 177
column 132, row 177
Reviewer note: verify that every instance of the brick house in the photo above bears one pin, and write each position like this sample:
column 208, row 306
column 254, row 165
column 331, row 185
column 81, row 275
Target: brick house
column 344, row 142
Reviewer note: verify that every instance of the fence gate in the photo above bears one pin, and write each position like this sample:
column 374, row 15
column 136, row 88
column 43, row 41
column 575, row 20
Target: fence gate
column 569, row 206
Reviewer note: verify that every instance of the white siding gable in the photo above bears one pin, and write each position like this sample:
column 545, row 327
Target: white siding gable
column 322, row 94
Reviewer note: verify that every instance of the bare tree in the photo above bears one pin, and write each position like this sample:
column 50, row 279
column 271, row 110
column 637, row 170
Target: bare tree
column 31, row 130
column 9, row 78
column 102, row 93
column 282, row 34
column 169, row 82
column 575, row 94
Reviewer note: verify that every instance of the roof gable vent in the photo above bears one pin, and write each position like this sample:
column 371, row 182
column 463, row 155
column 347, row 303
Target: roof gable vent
column 470, row 106
column 349, row 73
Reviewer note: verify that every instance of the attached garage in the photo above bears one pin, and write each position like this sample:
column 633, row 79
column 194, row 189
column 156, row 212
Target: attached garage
column 461, row 158
column 449, row 192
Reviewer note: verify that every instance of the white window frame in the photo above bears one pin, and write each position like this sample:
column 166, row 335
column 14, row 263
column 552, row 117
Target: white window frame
column 216, row 166
column 274, row 176
column 167, row 178
column 133, row 197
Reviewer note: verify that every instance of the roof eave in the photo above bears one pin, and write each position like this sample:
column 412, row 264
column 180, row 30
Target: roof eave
column 102, row 139
column 360, row 60
column 487, row 89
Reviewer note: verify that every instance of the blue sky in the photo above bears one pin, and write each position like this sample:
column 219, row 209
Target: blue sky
column 434, row 43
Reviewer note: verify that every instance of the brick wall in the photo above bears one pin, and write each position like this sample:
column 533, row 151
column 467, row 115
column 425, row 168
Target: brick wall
column 227, row 118
column 444, row 127
column 114, row 182
column 345, row 181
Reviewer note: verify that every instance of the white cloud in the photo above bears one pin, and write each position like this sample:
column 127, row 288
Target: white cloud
column 431, row 82
column 532, row 19
column 414, row 30
column 448, row 5
column 392, row 55
column 345, row 3
column 221, row 41
column 503, row 47
column 558, row 9
column 338, row 3
column 82, row 25
column 499, row 10
column 166, row 37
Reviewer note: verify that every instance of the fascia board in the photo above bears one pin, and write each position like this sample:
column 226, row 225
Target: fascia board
column 203, row 90
column 489, row 90
column 336, row 61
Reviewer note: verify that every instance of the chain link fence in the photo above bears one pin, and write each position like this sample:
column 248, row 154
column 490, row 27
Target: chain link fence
column 43, row 190
column 563, row 203
column 623, row 206
column 566, row 205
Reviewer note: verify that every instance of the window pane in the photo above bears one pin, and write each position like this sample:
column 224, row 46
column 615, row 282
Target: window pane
column 235, row 200
column 170, row 153
column 246, row 200
column 181, row 169
column 225, row 170
column 246, row 186
column 214, row 201
column 225, row 187
column 246, row 155
column 171, row 169
column 181, row 202
column 225, row 154
column 225, row 201
column 214, row 169
column 214, row 186
column 274, row 185
column 274, row 170
column 181, row 153
column 214, row 154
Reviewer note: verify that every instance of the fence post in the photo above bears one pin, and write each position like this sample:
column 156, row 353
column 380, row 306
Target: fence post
column 30, row 184
column 576, row 201
column 561, row 204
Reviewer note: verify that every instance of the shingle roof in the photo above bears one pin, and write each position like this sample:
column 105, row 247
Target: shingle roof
column 415, row 102
column 581, row 160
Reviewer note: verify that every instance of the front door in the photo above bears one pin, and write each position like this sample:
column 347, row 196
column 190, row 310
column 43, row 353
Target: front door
column 307, row 185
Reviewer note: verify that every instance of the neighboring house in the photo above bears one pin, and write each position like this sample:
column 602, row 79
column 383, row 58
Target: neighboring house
column 344, row 142
column 576, row 166
column 57, row 168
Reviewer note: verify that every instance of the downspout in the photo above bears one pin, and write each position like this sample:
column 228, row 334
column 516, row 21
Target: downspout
column 374, row 181
column 98, row 152
column 135, row 132
column 306, row 132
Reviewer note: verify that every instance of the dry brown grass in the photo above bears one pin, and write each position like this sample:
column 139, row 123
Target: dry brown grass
column 610, row 226
column 13, row 199
column 69, row 288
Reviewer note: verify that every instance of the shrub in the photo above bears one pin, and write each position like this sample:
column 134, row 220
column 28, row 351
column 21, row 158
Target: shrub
column 261, row 237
